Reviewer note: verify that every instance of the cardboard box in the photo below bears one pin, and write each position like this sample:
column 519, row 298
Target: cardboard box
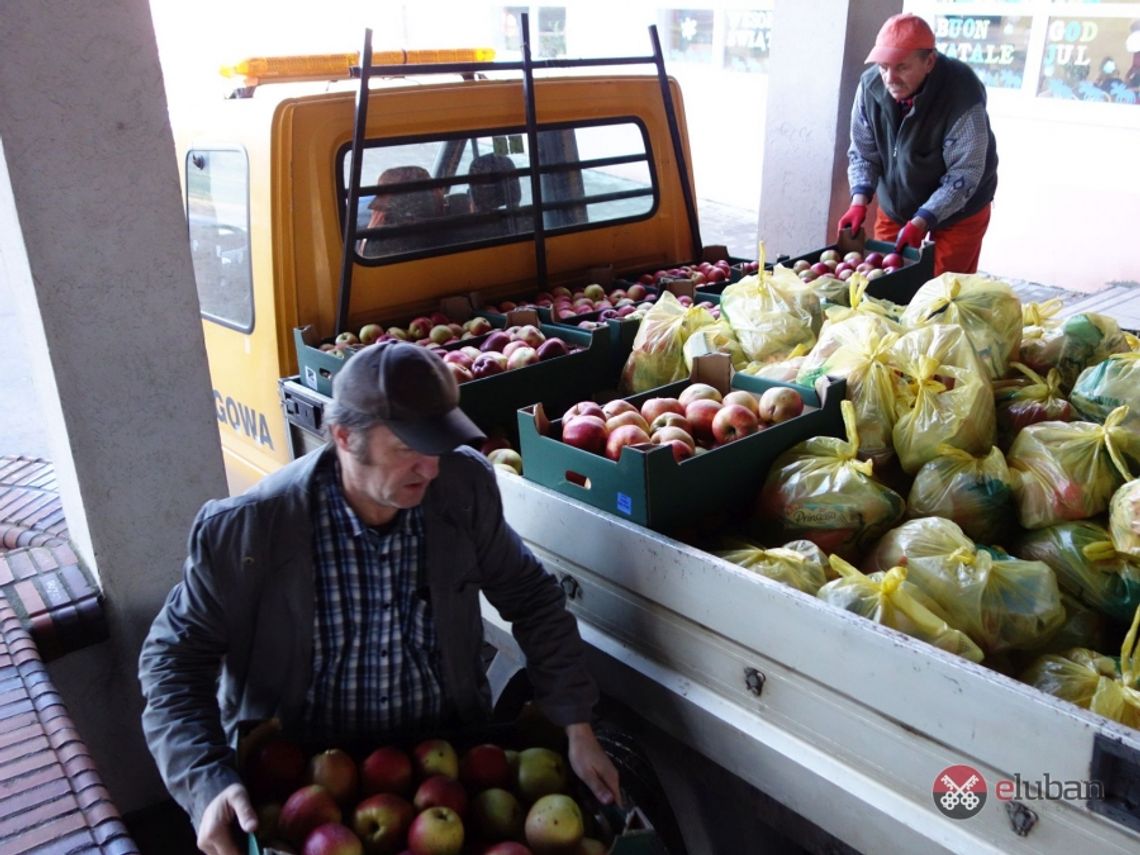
column 648, row 486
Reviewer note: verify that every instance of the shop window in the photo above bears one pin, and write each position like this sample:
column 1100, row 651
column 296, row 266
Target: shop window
column 551, row 32
column 1093, row 59
column 690, row 35
column 995, row 46
column 747, row 39
column 512, row 27
column 217, row 215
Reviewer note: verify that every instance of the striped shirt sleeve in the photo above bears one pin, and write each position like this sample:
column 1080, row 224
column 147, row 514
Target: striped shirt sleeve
column 864, row 165
column 964, row 151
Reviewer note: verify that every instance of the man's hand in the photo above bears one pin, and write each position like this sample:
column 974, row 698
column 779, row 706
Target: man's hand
column 592, row 764
column 911, row 235
column 853, row 219
column 215, row 833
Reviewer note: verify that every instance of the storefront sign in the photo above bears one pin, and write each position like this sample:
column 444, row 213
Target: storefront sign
column 993, row 45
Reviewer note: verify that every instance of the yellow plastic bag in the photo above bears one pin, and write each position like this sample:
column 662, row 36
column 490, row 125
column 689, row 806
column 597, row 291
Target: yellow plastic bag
column 1124, row 519
column 1028, row 399
column 769, row 319
column 785, row 370
column 889, row 599
column 860, row 303
column 974, row 492
column 1068, row 471
column 1087, row 339
column 658, row 355
column 717, row 337
column 1002, row 603
column 857, row 348
column 1041, row 334
column 1087, row 565
column 987, row 309
column 1095, row 682
column 800, row 563
column 942, row 397
column 1109, row 384
column 819, row 490
column 827, row 289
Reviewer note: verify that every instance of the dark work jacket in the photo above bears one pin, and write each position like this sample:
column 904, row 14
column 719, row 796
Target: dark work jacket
column 911, row 150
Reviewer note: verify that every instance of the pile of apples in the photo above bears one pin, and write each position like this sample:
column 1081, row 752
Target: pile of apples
column 698, row 419
column 501, row 454
column 429, row 801
column 565, row 304
column 872, row 265
column 504, row 350
column 701, row 274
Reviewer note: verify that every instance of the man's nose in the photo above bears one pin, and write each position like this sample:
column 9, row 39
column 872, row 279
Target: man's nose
column 427, row 466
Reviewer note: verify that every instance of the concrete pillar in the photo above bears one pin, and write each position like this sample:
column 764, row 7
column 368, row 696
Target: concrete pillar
column 93, row 243
column 818, row 48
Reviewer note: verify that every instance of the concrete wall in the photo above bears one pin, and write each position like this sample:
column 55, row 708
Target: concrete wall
column 93, row 248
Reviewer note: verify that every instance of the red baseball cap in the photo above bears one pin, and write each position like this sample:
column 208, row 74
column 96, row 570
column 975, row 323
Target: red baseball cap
column 899, row 37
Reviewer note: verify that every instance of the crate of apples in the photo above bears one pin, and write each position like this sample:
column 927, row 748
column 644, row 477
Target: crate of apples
column 503, row 350
column 832, row 264
column 429, row 799
column 563, row 304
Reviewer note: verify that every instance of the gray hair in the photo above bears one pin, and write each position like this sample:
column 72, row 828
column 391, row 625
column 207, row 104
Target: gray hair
column 357, row 423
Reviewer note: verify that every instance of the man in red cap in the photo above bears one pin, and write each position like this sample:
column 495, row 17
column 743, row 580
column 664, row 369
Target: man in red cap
column 340, row 595
column 921, row 139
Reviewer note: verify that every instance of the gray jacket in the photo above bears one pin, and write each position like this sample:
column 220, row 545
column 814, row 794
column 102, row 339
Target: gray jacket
column 245, row 603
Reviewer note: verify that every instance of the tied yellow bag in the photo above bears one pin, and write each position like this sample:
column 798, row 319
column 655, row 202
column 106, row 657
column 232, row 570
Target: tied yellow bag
column 770, row 320
column 820, row 491
column 658, row 355
column 889, row 599
column 1026, row 400
column 1094, row 682
column 1087, row 565
column 1103, row 387
column 1124, row 519
column 1002, row 603
column 860, row 303
column 975, row 492
column 987, row 310
column 799, row 564
column 1068, row 471
column 942, row 396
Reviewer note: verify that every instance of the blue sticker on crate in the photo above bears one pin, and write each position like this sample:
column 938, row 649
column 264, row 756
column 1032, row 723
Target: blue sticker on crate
column 624, row 503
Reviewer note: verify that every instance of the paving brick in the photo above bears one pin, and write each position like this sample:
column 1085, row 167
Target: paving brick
column 7, row 577
column 32, row 779
column 13, row 736
column 65, row 555
column 26, row 836
column 30, row 798
column 79, row 842
column 18, row 707
column 21, row 564
column 36, row 745
column 77, row 581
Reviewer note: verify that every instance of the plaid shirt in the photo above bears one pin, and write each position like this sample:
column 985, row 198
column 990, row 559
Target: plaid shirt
column 375, row 652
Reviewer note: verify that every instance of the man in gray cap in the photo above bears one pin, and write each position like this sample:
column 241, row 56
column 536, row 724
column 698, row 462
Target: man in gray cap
column 341, row 596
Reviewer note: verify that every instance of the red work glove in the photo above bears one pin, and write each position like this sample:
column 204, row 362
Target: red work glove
column 911, row 235
column 853, row 219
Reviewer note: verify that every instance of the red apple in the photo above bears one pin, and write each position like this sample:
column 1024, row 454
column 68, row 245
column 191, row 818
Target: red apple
column 513, row 345
column 435, row 757
column 670, row 420
column 458, row 356
column 531, row 334
column 651, row 408
column 875, row 259
column 461, row 373
column 420, row 327
column 700, row 414
column 584, row 408
column 336, row 771
column 370, row 333
column 893, row 259
column 477, row 325
column 276, row 769
column 398, row 332
column 623, row 436
column 744, row 399
column 441, row 791
column 495, row 341
column 586, row 432
column 698, row 390
column 332, row 838
column 505, row 847
column 488, row 364
column 436, row 831
column 779, row 404
column 304, row 810
column 733, row 421
column 485, row 766
column 522, row 357
column 668, row 434
column 636, row 291
column 626, row 417
column 441, row 334
column 617, row 405
column 388, row 769
column 382, row 822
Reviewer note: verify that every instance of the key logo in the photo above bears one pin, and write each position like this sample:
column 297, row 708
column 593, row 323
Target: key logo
column 959, row 791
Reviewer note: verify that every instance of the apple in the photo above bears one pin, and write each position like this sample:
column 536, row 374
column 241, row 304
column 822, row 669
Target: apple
column 853, row 257
column 276, row 769
column 420, row 327
column 820, row 268
column 622, row 436
column 829, row 255
column 485, row 766
column 507, row 457
column 458, row 356
column 668, row 434
column 488, row 363
column 551, row 348
column 477, row 325
column 743, row 398
column 594, row 291
column 531, row 334
column 591, row 846
column 876, row 273
column 779, row 404
column 875, row 259
column 801, row 265
column 436, row 831
column 370, row 333
column 586, row 432
column 636, row 291
column 617, row 405
column 670, row 420
column 347, row 338
column 441, row 791
column 893, row 259
column 522, row 357
column 698, row 390
column 398, row 332
column 435, row 757
column 304, row 810
column 495, row 341
column 584, row 408
column 506, row 847
column 733, row 421
column 460, row 372
column 336, row 771
column 541, row 772
column 332, row 838
column 700, row 414
column 496, row 815
column 382, row 821
column 651, row 408
column 513, row 345
column 626, row 417
column 560, row 291
column 389, row 769
column 554, row 824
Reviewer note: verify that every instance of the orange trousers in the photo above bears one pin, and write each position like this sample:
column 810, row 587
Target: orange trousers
column 956, row 248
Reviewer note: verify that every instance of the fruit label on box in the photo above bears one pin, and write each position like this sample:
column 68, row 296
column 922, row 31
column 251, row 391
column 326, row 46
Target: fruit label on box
column 624, row 503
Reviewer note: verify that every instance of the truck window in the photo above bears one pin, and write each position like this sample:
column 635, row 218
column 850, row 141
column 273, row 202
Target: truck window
column 217, row 214
column 426, row 196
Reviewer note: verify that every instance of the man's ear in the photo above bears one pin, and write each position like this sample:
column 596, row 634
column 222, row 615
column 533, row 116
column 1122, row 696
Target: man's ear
column 340, row 435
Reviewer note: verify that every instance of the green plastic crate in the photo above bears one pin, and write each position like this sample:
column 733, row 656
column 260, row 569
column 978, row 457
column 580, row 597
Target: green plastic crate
column 648, row 486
